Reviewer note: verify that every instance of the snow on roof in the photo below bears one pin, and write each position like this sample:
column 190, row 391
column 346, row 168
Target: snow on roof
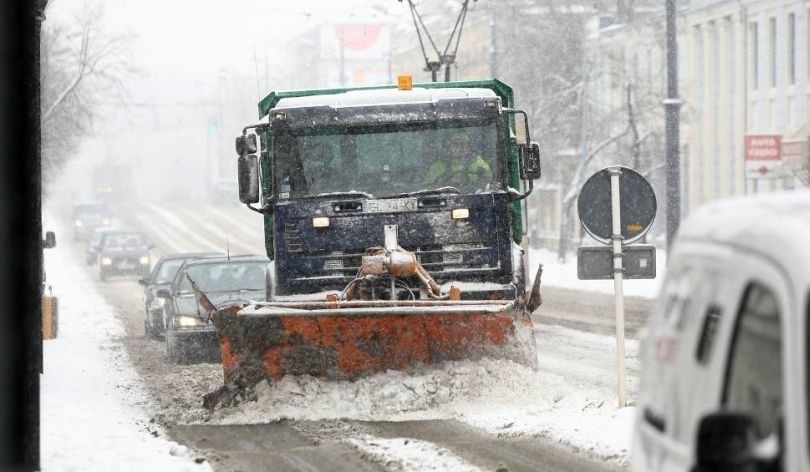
column 354, row 98
column 775, row 225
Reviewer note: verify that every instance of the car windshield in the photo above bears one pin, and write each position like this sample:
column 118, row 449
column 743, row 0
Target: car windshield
column 165, row 272
column 123, row 240
column 90, row 209
column 387, row 160
column 230, row 276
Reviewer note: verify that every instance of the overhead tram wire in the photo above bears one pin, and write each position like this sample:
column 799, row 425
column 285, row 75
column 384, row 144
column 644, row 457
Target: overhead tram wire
column 443, row 58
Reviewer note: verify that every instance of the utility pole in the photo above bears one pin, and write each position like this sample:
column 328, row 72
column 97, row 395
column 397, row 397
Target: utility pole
column 672, row 108
column 21, row 236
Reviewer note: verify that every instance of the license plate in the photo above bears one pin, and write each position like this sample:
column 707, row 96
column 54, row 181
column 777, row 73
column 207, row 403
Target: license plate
column 396, row 205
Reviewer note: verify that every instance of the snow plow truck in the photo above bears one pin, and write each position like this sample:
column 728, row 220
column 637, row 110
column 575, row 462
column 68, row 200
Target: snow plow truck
column 393, row 221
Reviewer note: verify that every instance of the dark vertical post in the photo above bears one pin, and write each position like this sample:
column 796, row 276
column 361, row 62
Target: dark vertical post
column 672, row 108
column 21, row 236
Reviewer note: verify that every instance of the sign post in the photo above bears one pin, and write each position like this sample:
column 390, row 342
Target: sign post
column 617, row 206
column 618, row 282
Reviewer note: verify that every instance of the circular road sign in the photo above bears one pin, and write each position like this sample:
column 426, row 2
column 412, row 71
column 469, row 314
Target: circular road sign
column 636, row 202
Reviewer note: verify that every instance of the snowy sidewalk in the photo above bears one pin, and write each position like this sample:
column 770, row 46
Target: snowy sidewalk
column 90, row 396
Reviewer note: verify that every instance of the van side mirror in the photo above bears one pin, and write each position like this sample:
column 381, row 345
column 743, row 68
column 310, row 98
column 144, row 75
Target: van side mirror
column 728, row 441
column 246, row 144
column 529, row 157
column 248, row 178
column 50, row 240
column 163, row 293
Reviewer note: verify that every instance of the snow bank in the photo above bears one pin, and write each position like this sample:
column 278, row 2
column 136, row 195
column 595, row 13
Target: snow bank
column 392, row 396
column 499, row 397
column 89, row 392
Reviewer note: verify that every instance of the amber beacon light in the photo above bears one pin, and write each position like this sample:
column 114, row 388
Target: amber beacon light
column 405, row 82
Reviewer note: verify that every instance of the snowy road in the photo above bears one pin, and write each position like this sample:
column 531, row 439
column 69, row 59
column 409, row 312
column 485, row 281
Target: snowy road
column 570, row 423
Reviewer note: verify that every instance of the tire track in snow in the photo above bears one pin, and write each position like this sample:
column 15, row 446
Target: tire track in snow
column 217, row 228
column 168, row 240
column 189, row 232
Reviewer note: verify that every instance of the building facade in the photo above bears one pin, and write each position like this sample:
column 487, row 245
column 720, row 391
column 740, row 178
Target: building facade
column 743, row 77
column 746, row 73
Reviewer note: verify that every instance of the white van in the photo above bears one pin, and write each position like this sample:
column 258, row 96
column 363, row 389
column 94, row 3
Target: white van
column 724, row 379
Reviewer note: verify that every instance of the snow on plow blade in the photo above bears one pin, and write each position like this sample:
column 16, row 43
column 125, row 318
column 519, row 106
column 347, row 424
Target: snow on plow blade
column 348, row 340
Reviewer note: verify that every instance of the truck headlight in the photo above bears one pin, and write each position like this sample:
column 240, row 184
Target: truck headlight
column 106, row 261
column 188, row 321
column 460, row 213
column 320, row 222
column 105, row 222
column 79, row 223
column 144, row 260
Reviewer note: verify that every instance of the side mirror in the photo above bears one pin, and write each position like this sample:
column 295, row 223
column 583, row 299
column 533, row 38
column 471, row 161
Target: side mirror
column 50, row 240
column 728, row 441
column 529, row 156
column 248, row 177
column 163, row 293
column 142, row 281
column 246, row 144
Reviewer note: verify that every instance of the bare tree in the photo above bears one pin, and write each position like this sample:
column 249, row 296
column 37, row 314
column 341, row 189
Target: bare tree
column 81, row 64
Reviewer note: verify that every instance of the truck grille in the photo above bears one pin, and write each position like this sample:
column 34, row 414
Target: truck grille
column 435, row 259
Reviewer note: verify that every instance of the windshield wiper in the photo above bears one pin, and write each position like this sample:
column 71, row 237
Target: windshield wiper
column 435, row 191
column 350, row 193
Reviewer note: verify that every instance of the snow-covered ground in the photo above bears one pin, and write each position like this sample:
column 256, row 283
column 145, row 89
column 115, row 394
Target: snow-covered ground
column 91, row 397
column 94, row 402
column 499, row 397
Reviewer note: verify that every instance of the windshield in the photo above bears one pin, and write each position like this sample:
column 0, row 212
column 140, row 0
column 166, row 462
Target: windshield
column 166, row 271
column 123, row 240
column 225, row 277
column 387, row 160
column 90, row 209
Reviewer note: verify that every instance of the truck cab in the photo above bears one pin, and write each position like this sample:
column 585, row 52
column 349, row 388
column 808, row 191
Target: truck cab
column 440, row 162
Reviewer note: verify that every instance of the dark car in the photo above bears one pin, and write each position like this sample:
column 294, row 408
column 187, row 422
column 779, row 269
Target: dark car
column 161, row 279
column 225, row 281
column 122, row 252
column 91, row 254
column 87, row 216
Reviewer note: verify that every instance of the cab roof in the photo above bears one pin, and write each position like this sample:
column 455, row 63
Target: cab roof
column 775, row 225
column 356, row 98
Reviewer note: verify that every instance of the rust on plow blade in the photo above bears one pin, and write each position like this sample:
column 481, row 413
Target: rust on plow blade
column 354, row 339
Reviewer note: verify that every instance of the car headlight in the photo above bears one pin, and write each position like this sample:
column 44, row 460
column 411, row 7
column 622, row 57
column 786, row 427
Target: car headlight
column 187, row 321
column 157, row 304
column 106, row 261
column 144, row 260
column 79, row 224
column 105, row 222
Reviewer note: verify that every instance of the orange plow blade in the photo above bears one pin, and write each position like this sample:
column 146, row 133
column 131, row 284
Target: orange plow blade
column 348, row 340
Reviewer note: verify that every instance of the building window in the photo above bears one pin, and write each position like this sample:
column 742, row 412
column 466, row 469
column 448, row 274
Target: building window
column 754, row 55
column 772, row 31
column 791, row 44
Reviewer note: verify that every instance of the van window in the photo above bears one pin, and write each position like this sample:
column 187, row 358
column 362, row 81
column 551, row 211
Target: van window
column 754, row 370
column 708, row 334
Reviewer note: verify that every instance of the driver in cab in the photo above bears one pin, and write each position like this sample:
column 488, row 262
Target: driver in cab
column 464, row 168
